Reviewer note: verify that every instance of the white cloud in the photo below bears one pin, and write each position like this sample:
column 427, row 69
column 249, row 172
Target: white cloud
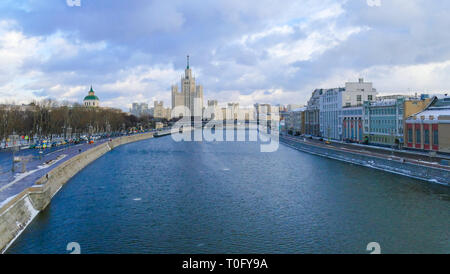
column 401, row 79
column 242, row 50
column 277, row 30
column 16, row 49
column 316, row 43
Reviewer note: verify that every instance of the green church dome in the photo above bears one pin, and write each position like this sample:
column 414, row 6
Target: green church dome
column 91, row 95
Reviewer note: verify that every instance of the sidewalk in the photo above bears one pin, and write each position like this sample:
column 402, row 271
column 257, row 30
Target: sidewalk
column 12, row 184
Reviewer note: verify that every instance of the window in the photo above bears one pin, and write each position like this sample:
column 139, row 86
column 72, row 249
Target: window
column 435, row 137
column 418, row 141
column 369, row 97
column 358, row 98
column 427, row 136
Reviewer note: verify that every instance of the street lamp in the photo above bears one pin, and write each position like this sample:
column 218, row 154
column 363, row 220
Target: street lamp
column 69, row 132
column 14, row 138
column 393, row 141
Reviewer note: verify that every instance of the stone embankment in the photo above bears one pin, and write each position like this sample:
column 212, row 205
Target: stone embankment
column 424, row 172
column 19, row 212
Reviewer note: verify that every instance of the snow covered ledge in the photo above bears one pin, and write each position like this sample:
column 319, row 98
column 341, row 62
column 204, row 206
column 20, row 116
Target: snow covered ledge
column 18, row 212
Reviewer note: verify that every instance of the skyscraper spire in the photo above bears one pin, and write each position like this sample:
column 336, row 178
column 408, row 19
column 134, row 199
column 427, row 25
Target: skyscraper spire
column 187, row 62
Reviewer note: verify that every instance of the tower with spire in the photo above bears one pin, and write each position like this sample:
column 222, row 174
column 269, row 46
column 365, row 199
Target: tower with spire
column 91, row 100
column 190, row 96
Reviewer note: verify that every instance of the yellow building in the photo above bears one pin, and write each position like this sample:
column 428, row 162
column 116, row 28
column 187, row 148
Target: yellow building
column 430, row 129
column 414, row 106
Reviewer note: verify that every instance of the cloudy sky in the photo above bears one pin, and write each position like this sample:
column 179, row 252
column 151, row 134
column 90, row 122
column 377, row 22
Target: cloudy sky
column 241, row 50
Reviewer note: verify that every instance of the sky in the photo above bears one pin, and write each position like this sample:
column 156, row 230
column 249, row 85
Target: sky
column 240, row 51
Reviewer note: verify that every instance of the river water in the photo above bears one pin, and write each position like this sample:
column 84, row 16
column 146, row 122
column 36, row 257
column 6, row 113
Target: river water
column 162, row 196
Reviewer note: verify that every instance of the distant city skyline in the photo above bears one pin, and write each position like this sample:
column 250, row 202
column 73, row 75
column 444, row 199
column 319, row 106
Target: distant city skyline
column 243, row 51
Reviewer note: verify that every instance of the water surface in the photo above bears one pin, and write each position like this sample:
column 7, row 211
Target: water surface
column 161, row 196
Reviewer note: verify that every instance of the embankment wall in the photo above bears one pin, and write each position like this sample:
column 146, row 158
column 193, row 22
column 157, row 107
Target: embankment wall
column 431, row 174
column 19, row 212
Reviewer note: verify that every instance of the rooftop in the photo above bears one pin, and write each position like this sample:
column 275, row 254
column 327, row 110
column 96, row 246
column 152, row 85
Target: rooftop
column 439, row 107
column 298, row 109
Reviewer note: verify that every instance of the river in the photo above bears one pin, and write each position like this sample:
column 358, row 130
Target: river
column 162, row 196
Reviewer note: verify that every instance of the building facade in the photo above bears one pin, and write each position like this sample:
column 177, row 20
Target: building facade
column 383, row 121
column 139, row 109
column 330, row 110
column 190, row 96
column 352, row 124
column 332, row 102
column 312, row 113
column 429, row 130
column 356, row 93
column 295, row 121
column 160, row 112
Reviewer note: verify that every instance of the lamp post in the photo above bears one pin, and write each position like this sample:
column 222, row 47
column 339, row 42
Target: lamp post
column 14, row 138
column 69, row 132
column 393, row 142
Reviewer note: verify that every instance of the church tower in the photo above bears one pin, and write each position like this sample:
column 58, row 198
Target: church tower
column 91, row 100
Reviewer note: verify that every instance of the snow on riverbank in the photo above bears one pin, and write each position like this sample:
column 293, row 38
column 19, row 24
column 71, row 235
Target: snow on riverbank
column 429, row 174
column 33, row 213
column 21, row 176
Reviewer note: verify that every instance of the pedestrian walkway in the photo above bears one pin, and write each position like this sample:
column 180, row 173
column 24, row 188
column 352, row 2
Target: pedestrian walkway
column 12, row 184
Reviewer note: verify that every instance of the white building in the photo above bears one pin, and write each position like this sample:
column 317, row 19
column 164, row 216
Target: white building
column 330, row 108
column 356, row 93
column 160, row 112
column 139, row 109
column 332, row 101
column 191, row 96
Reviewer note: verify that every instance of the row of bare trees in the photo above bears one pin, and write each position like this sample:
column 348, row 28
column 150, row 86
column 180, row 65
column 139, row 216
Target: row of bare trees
column 47, row 118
